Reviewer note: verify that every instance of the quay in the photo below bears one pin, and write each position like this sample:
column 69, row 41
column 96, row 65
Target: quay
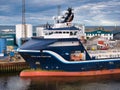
column 9, row 67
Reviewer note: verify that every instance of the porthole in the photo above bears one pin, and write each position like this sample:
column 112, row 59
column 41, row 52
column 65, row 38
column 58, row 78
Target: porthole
column 57, row 67
column 111, row 62
column 46, row 67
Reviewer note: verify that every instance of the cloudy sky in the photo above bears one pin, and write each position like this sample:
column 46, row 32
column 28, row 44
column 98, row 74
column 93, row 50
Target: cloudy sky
column 88, row 12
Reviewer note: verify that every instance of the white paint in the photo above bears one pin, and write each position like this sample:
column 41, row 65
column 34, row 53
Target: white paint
column 105, row 54
column 65, row 44
column 20, row 32
column 55, row 33
column 1, row 54
column 60, row 58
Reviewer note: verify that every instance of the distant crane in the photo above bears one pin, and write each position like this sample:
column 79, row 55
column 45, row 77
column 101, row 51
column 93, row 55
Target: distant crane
column 23, row 19
column 23, row 22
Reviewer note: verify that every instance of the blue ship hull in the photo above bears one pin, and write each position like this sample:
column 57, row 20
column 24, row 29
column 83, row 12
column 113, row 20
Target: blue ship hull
column 59, row 49
column 51, row 62
column 58, row 58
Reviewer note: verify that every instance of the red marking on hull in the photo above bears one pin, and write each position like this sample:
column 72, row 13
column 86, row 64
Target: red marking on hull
column 62, row 73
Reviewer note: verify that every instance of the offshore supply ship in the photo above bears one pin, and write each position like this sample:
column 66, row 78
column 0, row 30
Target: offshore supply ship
column 60, row 52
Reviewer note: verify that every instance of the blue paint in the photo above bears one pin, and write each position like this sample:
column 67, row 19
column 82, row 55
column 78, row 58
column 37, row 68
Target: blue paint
column 12, row 54
column 3, row 45
column 53, row 63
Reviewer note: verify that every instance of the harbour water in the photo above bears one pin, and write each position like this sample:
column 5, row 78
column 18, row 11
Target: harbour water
column 14, row 82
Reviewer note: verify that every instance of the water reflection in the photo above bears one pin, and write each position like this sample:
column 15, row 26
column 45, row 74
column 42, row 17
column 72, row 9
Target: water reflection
column 111, row 82
column 10, row 82
column 14, row 82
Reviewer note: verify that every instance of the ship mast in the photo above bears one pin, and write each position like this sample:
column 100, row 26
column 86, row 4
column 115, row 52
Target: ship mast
column 59, row 10
column 58, row 13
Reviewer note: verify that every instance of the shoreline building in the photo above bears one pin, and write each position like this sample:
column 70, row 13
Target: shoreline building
column 22, row 32
column 3, row 47
column 9, row 34
column 100, row 32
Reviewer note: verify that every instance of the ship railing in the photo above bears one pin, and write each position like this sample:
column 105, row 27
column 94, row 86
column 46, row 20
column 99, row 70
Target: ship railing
column 105, row 55
column 103, row 51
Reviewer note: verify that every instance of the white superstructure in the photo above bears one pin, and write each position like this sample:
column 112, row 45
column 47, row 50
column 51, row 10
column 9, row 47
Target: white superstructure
column 61, row 32
column 62, row 28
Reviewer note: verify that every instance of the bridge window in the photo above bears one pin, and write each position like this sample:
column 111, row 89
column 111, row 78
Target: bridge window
column 71, row 33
